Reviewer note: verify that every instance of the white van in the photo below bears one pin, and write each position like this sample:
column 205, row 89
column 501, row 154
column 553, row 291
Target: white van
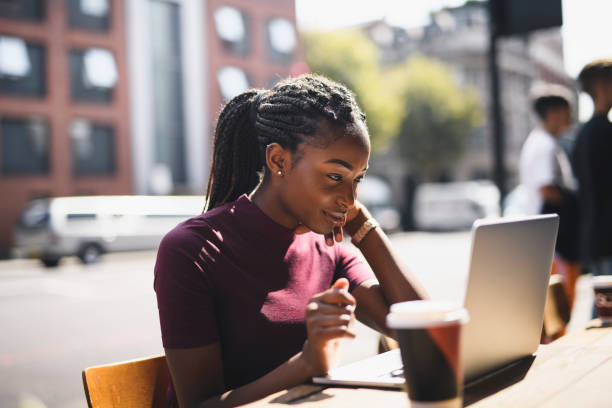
column 455, row 205
column 90, row 226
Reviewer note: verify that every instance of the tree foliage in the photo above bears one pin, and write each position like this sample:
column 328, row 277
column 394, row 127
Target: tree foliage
column 417, row 103
column 438, row 116
column 349, row 57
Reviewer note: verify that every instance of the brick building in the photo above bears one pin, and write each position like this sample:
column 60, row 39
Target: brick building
column 120, row 97
column 64, row 118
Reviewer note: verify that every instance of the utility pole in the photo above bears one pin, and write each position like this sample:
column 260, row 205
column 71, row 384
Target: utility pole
column 499, row 166
column 508, row 18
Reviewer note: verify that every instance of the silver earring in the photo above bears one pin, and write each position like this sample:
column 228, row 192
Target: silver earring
column 280, row 172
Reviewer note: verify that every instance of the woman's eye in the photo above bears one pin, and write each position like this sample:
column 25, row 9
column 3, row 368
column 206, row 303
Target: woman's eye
column 335, row 177
column 359, row 179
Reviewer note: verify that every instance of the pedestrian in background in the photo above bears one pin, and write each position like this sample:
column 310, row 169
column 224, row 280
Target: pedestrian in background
column 592, row 161
column 549, row 186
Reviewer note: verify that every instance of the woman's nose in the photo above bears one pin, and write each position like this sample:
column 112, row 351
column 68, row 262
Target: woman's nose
column 347, row 199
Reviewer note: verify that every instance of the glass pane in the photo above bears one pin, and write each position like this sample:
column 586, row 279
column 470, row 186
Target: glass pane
column 100, row 68
column 282, row 35
column 93, row 15
column 92, row 75
column 22, row 67
column 229, row 24
column 25, row 146
column 232, row 29
column 232, row 81
column 93, row 148
column 167, row 70
column 33, row 10
column 282, row 39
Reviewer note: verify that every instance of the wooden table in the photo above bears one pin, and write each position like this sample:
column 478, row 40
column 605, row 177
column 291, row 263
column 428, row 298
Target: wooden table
column 574, row 371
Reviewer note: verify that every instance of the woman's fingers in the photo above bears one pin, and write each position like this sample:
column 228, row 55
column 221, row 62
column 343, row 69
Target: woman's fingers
column 335, row 235
column 338, row 234
column 334, row 332
column 339, row 297
column 330, row 320
column 341, row 283
column 328, row 309
column 329, row 238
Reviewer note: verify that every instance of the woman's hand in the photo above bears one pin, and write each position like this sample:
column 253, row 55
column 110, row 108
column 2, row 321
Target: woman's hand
column 355, row 217
column 329, row 317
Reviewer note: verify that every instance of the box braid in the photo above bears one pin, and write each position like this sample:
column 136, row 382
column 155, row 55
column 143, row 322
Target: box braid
column 287, row 114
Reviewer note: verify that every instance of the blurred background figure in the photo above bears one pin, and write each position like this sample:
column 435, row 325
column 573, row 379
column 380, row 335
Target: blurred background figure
column 547, row 179
column 593, row 164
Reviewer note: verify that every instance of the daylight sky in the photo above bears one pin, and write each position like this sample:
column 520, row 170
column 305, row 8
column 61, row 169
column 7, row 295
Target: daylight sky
column 587, row 24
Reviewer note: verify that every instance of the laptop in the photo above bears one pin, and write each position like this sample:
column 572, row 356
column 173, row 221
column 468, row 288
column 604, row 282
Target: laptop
column 506, row 290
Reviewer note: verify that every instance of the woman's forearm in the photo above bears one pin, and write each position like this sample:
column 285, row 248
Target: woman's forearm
column 397, row 284
column 293, row 372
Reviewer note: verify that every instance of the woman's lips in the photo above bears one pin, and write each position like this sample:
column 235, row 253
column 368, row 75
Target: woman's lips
column 336, row 218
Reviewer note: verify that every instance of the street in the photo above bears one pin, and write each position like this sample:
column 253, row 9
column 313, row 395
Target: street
column 57, row 321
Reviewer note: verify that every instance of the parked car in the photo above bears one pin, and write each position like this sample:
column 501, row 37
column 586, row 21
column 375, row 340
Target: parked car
column 87, row 227
column 375, row 193
column 456, row 205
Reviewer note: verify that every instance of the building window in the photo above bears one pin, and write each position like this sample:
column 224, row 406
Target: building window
column 22, row 67
column 282, row 40
column 93, row 75
column 92, row 15
column 24, row 146
column 232, row 28
column 232, row 81
column 93, row 148
column 32, row 10
column 167, row 88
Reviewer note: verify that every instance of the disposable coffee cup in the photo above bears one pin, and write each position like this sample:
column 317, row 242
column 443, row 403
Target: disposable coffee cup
column 602, row 285
column 429, row 334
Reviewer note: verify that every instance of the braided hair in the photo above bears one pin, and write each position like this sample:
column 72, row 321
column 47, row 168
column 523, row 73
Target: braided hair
column 287, row 114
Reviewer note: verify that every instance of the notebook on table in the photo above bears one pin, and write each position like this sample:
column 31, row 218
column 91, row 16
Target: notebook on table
column 509, row 271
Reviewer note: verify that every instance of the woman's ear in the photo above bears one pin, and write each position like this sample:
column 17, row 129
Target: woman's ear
column 278, row 159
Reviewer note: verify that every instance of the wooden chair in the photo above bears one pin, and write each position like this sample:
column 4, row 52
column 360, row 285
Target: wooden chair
column 557, row 310
column 138, row 383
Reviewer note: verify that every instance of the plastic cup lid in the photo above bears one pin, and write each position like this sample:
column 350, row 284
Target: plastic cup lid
column 425, row 313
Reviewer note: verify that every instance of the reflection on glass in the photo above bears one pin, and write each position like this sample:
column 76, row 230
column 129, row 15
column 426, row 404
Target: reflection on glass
column 21, row 67
column 24, row 146
column 93, row 151
column 14, row 60
column 100, row 68
column 95, row 8
column 93, row 75
column 92, row 15
column 167, row 87
column 282, row 35
column 232, row 81
column 33, row 10
column 231, row 26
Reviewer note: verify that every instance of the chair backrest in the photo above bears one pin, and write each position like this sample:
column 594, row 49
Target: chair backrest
column 140, row 383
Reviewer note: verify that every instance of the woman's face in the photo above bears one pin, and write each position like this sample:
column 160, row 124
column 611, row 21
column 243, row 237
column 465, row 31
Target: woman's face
column 322, row 185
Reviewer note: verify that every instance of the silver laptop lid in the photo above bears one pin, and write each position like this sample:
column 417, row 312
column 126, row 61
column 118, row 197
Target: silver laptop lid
column 510, row 267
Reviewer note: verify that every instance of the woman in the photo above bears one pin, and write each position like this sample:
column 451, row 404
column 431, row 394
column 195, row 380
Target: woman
column 255, row 294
